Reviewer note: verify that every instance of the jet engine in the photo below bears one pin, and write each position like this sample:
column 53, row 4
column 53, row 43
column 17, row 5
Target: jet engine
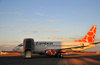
column 51, row 52
column 28, row 46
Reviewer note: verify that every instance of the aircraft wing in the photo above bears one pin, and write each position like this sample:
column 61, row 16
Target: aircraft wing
column 69, row 49
column 96, row 43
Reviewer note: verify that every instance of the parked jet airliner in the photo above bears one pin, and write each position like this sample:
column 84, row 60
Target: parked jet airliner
column 29, row 46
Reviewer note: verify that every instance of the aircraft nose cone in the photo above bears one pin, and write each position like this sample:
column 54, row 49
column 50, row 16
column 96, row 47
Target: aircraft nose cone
column 15, row 49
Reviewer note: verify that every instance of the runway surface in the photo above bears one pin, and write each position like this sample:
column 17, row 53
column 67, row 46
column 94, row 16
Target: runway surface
column 73, row 59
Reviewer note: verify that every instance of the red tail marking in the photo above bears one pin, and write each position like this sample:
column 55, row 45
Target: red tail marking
column 90, row 35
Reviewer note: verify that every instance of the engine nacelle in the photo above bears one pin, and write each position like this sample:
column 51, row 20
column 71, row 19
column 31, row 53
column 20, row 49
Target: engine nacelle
column 28, row 45
column 51, row 52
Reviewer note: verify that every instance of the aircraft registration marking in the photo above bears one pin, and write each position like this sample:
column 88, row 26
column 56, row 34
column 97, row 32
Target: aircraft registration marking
column 44, row 43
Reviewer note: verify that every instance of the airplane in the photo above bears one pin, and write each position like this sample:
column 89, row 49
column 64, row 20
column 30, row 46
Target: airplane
column 50, row 48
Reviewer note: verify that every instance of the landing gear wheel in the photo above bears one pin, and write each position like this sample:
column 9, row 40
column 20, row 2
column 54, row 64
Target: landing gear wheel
column 28, row 54
column 59, row 55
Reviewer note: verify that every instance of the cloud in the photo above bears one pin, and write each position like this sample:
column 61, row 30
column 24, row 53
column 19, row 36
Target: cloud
column 40, row 14
column 22, row 20
column 8, row 45
column 9, row 42
column 52, row 31
column 15, row 13
column 53, row 20
column 76, row 38
column 55, row 38
column 49, row 29
column 32, row 31
column 11, row 28
column 27, row 20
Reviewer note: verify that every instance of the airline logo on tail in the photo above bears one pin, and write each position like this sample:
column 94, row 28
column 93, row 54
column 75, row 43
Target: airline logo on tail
column 90, row 35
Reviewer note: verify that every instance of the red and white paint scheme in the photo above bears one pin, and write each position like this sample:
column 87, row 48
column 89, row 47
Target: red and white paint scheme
column 56, row 48
column 51, row 52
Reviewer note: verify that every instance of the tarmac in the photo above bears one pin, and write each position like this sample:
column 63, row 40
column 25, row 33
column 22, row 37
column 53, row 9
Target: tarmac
column 67, row 59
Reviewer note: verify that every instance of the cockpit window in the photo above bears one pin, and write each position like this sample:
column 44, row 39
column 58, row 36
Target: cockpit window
column 20, row 45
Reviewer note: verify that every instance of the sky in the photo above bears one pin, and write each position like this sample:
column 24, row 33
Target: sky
column 47, row 20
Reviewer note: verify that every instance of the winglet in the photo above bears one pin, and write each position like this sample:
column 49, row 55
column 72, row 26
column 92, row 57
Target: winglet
column 90, row 35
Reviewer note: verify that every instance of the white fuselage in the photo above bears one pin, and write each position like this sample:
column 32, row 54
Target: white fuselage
column 40, row 47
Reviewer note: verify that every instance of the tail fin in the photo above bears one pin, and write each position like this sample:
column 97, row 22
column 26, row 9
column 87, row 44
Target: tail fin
column 90, row 35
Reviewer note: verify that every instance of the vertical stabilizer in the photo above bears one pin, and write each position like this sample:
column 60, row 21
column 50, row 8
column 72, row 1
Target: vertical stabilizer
column 90, row 35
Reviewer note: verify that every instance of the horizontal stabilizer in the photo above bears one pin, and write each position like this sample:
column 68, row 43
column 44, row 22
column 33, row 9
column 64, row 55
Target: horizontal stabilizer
column 96, row 43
